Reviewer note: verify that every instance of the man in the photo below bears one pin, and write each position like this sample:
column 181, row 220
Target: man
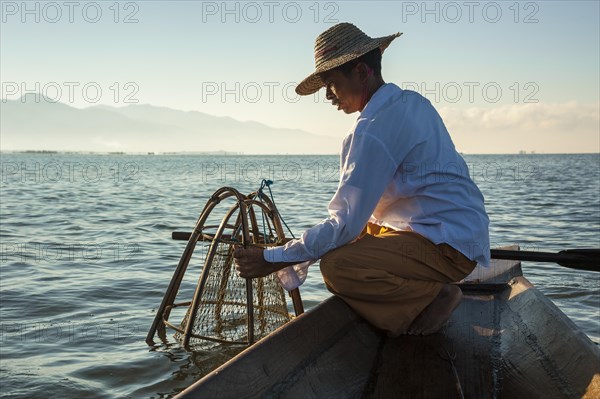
column 406, row 219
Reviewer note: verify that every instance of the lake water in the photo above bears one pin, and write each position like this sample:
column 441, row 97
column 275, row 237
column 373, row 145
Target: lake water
column 86, row 253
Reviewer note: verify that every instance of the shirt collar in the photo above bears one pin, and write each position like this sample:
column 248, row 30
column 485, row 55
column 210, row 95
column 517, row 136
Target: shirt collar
column 377, row 99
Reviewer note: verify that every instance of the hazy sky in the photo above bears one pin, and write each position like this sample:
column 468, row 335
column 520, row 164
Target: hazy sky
column 504, row 75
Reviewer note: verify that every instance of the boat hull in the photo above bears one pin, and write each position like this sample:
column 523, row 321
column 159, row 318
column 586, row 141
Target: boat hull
column 505, row 340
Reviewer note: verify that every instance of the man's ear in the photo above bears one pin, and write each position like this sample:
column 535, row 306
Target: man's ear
column 364, row 71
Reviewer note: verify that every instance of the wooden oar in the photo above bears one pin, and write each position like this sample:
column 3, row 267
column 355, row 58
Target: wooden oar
column 580, row 259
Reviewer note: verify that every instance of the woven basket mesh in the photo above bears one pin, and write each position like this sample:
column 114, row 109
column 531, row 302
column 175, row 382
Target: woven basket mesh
column 222, row 310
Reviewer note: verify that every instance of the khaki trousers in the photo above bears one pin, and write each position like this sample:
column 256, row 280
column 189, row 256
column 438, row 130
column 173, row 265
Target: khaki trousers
column 388, row 277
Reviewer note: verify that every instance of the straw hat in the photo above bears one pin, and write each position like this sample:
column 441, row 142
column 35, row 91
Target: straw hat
column 336, row 46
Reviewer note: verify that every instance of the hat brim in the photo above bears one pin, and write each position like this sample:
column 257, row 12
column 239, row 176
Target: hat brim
column 313, row 82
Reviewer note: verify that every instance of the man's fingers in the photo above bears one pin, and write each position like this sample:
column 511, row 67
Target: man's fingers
column 237, row 256
column 241, row 271
column 248, row 262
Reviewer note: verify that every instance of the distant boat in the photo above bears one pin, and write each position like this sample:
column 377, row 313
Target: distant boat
column 505, row 340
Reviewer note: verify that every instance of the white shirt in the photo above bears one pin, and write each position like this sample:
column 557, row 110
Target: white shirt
column 399, row 168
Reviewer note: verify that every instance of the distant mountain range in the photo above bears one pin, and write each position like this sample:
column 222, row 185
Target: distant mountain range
column 30, row 124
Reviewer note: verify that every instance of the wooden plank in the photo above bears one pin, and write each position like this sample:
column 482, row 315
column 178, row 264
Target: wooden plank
column 304, row 357
column 340, row 370
column 461, row 358
column 413, row 367
column 498, row 272
column 543, row 351
column 472, row 335
column 507, row 344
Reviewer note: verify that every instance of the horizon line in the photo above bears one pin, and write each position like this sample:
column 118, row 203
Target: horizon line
column 235, row 153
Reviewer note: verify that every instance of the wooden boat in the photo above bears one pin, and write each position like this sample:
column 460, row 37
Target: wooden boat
column 505, row 340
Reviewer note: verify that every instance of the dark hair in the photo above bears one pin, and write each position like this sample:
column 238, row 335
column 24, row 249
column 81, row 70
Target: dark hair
column 372, row 59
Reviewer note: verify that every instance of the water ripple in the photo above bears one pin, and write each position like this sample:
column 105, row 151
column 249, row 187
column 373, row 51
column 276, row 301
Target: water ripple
column 85, row 262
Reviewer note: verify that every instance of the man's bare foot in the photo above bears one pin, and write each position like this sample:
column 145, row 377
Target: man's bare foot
column 437, row 313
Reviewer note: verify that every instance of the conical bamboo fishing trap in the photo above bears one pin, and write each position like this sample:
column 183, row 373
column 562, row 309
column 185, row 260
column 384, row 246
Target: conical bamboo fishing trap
column 224, row 307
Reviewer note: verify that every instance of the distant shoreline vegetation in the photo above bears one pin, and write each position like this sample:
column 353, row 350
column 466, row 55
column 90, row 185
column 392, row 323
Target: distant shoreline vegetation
column 123, row 152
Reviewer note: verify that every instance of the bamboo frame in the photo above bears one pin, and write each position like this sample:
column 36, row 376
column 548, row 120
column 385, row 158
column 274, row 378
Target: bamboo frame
column 246, row 220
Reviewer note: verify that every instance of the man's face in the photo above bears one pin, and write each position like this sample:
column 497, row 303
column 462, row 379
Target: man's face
column 345, row 91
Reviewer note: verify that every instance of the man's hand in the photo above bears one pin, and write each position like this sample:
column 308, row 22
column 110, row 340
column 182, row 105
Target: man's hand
column 250, row 263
